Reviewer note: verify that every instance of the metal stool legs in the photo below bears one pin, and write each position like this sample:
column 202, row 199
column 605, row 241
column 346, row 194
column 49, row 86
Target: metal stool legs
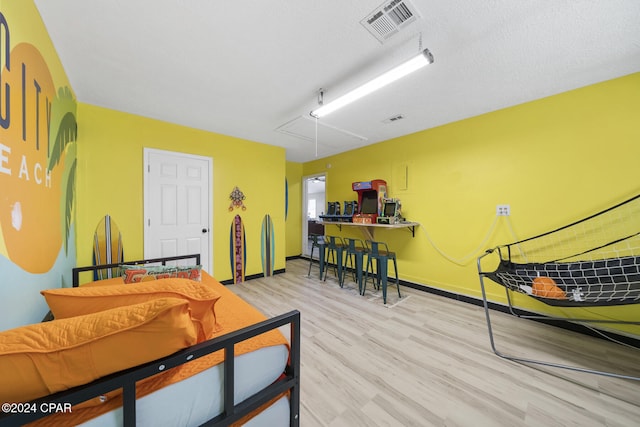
column 380, row 252
column 317, row 241
column 335, row 249
column 355, row 252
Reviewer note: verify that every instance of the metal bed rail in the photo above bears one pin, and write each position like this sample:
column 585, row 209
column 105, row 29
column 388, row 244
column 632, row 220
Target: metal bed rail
column 126, row 380
column 75, row 272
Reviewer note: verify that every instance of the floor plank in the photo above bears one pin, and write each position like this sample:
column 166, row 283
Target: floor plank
column 425, row 360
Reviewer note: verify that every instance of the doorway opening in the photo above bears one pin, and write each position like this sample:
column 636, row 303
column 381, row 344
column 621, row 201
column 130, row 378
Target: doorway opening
column 313, row 205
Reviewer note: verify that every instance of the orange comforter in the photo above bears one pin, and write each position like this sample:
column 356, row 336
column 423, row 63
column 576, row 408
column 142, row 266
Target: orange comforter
column 232, row 313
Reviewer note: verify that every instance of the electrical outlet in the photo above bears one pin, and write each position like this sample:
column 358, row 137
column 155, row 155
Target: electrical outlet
column 503, row 210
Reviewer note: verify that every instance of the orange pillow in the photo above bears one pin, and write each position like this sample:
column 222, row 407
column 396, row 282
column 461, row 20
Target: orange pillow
column 105, row 282
column 69, row 302
column 44, row 358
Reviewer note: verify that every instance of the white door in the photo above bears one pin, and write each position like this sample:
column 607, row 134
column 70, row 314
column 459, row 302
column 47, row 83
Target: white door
column 177, row 205
column 313, row 205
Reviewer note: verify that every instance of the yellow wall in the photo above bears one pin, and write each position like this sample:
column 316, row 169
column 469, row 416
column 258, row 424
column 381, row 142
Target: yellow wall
column 554, row 161
column 294, row 217
column 111, row 182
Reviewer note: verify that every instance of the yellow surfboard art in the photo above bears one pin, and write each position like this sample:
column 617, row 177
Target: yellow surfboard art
column 107, row 247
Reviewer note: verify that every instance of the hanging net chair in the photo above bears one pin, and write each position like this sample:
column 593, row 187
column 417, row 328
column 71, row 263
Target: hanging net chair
column 593, row 262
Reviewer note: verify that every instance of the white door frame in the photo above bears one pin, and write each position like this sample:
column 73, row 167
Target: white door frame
column 146, row 207
column 305, row 203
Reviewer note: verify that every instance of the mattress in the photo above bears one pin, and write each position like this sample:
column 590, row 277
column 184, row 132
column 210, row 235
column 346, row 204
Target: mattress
column 197, row 399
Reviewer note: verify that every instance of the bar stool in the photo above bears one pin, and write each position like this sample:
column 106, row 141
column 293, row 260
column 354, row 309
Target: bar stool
column 380, row 252
column 335, row 249
column 355, row 250
column 318, row 241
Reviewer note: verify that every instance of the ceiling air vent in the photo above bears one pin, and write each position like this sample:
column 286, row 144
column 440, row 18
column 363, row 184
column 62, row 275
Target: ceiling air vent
column 393, row 118
column 389, row 19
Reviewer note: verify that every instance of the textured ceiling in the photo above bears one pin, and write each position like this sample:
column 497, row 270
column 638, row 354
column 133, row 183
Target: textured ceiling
column 248, row 68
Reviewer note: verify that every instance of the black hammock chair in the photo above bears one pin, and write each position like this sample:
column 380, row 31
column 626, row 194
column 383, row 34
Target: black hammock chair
column 591, row 262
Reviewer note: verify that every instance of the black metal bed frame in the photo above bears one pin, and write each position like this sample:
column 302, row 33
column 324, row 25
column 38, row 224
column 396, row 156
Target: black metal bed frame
column 163, row 261
column 126, row 380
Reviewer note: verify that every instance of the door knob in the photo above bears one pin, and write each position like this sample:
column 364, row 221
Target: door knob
column 204, row 230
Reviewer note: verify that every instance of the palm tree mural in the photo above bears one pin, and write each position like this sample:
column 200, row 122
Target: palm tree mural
column 64, row 137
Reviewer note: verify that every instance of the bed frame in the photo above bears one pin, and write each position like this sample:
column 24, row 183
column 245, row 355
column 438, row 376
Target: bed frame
column 162, row 261
column 126, row 380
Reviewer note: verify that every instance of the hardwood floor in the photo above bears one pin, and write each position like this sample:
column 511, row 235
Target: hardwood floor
column 425, row 360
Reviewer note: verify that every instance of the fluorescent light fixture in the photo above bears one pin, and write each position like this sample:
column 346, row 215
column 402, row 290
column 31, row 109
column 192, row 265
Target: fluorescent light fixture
column 424, row 58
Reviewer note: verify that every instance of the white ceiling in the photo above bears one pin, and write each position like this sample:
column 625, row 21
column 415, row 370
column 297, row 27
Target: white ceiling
column 246, row 68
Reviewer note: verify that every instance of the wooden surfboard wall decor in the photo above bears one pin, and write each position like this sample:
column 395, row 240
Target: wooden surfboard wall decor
column 286, row 198
column 267, row 246
column 107, row 248
column 237, row 250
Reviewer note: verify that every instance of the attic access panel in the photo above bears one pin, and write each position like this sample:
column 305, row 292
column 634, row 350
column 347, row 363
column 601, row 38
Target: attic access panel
column 305, row 128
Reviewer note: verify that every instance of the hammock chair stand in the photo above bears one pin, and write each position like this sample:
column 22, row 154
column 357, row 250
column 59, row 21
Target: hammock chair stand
column 512, row 310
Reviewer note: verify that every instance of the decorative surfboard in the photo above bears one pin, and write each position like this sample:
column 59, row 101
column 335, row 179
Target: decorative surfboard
column 268, row 246
column 107, row 248
column 286, row 198
column 237, row 250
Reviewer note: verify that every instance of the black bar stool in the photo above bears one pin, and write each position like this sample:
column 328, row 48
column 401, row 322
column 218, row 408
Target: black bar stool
column 355, row 251
column 335, row 249
column 317, row 241
column 380, row 252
